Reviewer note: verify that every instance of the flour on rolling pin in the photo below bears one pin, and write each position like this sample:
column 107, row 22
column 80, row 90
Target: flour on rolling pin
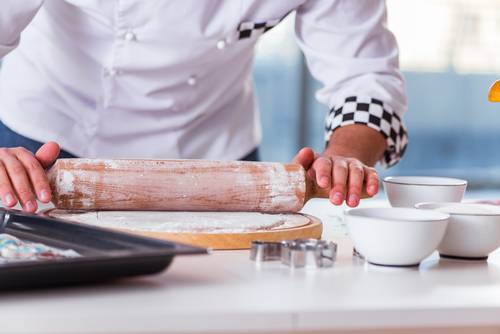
column 179, row 222
column 182, row 185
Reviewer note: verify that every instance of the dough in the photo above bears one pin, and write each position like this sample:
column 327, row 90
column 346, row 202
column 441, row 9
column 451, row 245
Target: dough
column 187, row 222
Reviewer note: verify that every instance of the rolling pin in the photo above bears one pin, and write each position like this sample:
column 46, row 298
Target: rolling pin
column 184, row 185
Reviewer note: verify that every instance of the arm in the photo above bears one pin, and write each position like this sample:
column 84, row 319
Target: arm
column 14, row 17
column 350, row 50
column 22, row 174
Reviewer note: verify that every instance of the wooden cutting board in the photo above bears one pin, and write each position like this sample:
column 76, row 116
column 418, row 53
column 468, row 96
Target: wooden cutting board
column 216, row 230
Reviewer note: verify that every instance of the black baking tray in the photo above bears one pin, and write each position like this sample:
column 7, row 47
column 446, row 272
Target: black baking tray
column 105, row 254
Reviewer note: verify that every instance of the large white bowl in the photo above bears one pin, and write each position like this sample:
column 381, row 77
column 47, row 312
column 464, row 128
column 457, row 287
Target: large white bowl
column 473, row 231
column 406, row 191
column 395, row 236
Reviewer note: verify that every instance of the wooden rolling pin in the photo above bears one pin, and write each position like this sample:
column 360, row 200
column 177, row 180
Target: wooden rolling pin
column 187, row 185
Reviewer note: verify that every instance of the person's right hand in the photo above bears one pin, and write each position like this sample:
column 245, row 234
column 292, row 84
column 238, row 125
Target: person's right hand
column 22, row 175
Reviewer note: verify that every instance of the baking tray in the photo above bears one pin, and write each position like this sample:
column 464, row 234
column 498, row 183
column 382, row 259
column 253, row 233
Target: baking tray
column 105, row 254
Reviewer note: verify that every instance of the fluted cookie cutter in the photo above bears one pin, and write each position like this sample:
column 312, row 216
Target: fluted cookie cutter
column 299, row 253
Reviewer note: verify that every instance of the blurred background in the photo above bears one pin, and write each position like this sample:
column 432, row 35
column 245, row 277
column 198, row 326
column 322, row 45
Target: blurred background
column 450, row 55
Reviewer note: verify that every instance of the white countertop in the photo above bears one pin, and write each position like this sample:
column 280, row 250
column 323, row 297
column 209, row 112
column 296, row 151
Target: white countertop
column 226, row 292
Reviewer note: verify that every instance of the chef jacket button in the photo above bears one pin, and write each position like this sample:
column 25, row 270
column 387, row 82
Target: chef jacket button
column 129, row 36
column 192, row 80
column 111, row 72
column 221, row 44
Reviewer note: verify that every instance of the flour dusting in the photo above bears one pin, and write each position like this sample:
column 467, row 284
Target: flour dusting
column 66, row 182
column 283, row 185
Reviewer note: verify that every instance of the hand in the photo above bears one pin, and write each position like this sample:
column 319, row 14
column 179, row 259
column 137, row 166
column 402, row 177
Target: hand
column 22, row 175
column 345, row 176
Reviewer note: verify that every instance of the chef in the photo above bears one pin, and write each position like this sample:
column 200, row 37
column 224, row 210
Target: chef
column 172, row 79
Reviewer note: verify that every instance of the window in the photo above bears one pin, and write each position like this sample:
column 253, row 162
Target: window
column 450, row 55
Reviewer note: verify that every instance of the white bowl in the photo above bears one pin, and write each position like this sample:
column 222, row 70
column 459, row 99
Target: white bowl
column 395, row 236
column 473, row 231
column 406, row 191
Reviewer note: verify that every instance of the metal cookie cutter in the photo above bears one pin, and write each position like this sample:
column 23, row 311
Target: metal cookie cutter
column 357, row 254
column 265, row 251
column 309, row 253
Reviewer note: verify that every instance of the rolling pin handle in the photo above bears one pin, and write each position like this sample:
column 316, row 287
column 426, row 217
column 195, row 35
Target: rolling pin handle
column 315, row 191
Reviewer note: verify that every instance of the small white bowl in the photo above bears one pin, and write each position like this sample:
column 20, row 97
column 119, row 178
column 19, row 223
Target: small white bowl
column 473, row 231
column 406, row 191
column 395, row 236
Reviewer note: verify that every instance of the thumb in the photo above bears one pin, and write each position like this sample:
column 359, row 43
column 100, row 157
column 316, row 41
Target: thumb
column 48, row 153
column 305, row 157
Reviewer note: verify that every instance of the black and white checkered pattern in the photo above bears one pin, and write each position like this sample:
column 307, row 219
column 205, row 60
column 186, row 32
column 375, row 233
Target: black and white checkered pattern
column 249, row 29
column 375, row 114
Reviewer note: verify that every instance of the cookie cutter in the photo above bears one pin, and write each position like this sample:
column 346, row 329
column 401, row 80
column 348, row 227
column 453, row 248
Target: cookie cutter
column 357, row 254
column 265, row 251
column 299, row 253
column 309, row 253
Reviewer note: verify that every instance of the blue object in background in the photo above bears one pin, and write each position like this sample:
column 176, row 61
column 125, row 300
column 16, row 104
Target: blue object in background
column 278, row 89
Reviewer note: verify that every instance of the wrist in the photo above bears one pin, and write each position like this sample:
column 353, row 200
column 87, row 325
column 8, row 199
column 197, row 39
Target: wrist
column 370, row 114
column 357, row 141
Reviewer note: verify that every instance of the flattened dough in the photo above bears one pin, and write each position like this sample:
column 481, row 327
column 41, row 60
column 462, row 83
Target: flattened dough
column 187, row 222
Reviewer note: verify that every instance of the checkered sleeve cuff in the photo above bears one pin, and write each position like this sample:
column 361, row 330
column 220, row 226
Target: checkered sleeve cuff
column 376, row 115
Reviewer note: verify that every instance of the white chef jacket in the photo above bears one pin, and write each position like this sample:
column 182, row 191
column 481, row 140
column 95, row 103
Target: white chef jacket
column 172, row 78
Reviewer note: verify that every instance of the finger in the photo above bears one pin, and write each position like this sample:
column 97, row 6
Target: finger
column 6, row 190
column 372, row 181
column 19, row 179
column 311, row 174
column 323, row 169
column 340, row 172
column 48, row 153
column 305, row 157
column 36, row 173
column 356, row 179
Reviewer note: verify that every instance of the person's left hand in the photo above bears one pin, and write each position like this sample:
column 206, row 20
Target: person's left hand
column 347, row 177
